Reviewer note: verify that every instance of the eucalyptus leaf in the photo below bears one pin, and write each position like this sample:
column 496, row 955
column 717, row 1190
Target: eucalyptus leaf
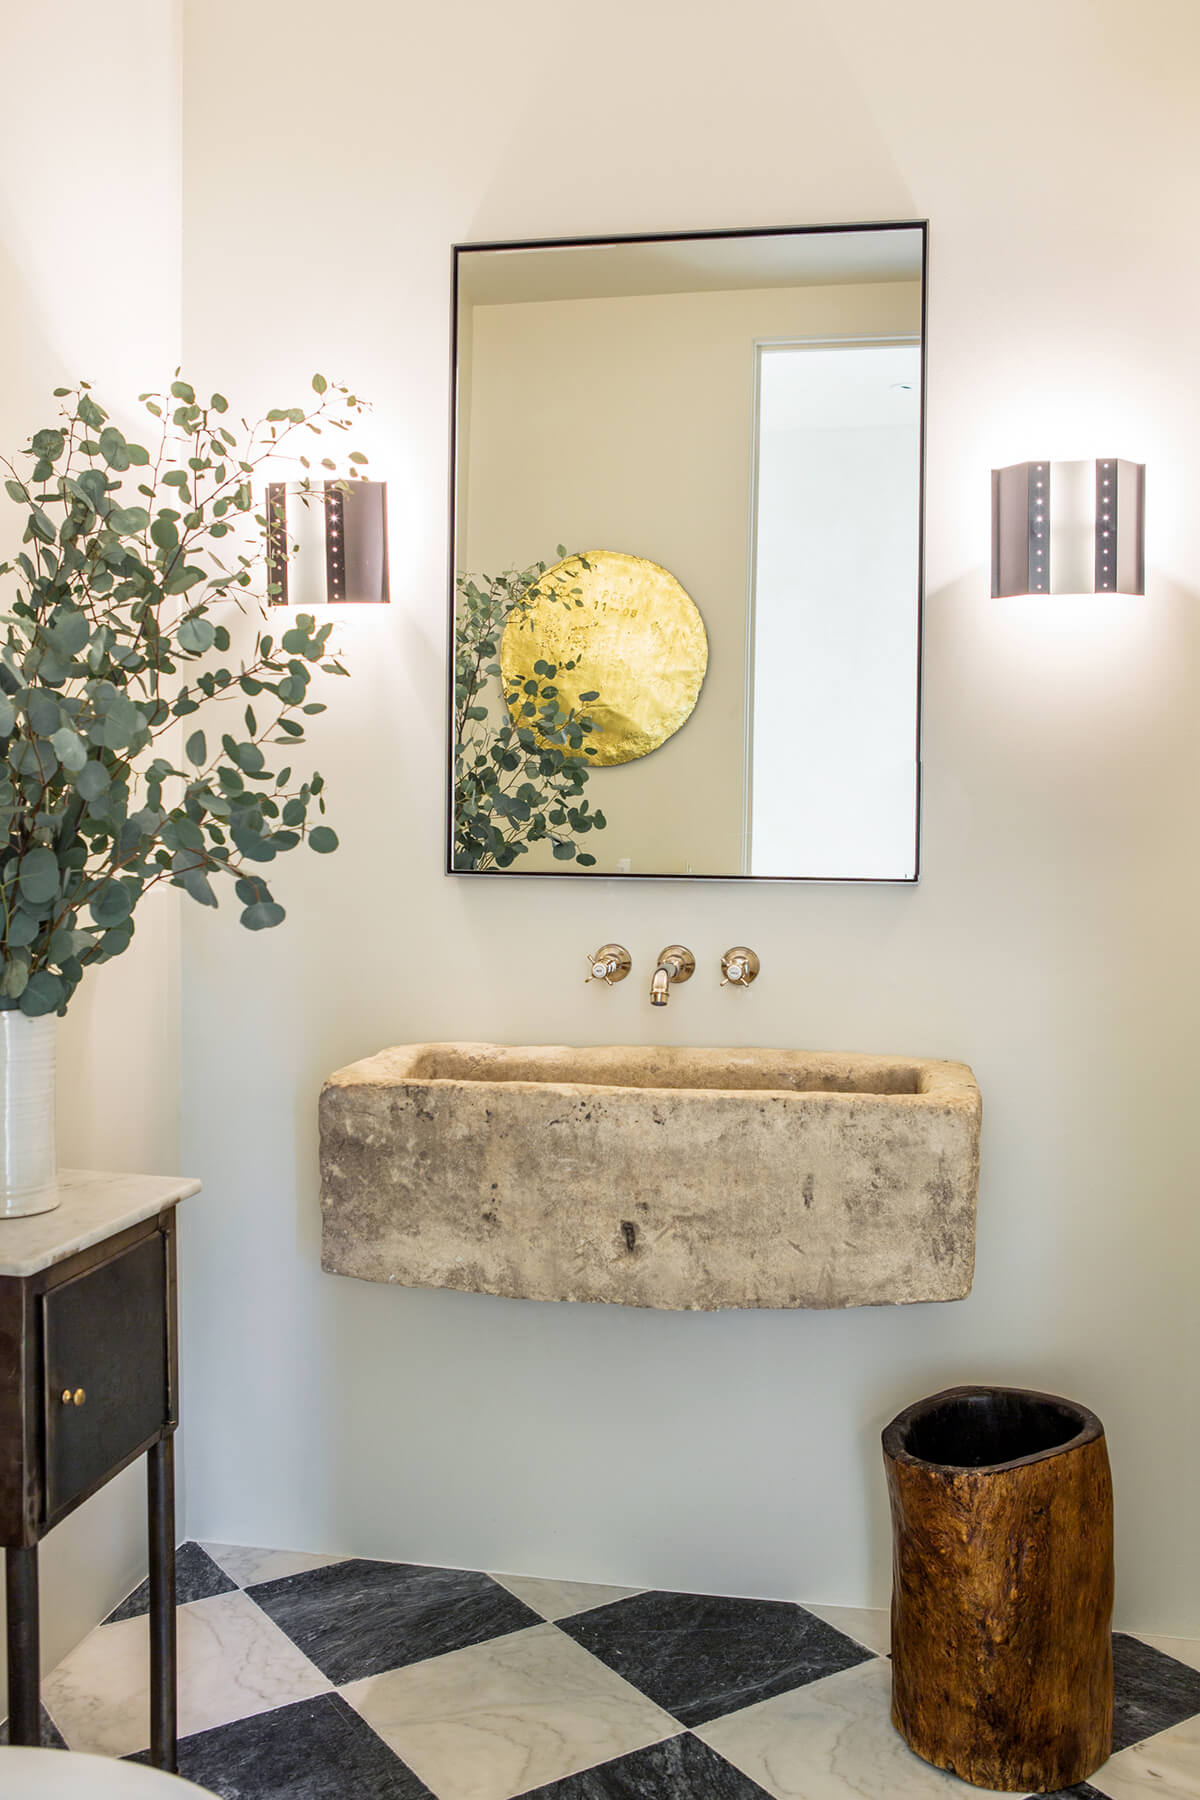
column 262, row 915
column 252, row 846
column 70, row 749
column 197, row 884
column 44, row 712
column 69, row 630
column 116, row 942
column 92, row 781
column 112, row 448
column 43, row 993
column 111, row 905
column 196, row 635
column 66, row 943
column 128, row 521
column 121, row 724
column 38, row 874
column 14, row 974
column 23, row 928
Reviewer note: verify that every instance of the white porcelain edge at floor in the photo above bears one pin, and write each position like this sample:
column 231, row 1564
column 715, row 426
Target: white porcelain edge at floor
column 45, row 1775
column 27, row 1147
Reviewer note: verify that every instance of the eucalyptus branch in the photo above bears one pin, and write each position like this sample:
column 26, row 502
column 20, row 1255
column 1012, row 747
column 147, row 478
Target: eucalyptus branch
column 111, row 600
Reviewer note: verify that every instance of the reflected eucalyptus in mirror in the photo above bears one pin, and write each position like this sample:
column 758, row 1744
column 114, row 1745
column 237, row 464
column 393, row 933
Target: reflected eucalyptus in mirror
column 520, row 759
column 728, row 428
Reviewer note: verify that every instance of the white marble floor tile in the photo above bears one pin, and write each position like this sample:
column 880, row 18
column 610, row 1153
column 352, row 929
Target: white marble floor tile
column 868, row 1625
column 562, row 1599
column 831, row 1740
column 233, row 1661
column 1184, row 1650
column 245, row 1564
column 1167, row 1766
column 503, row 1717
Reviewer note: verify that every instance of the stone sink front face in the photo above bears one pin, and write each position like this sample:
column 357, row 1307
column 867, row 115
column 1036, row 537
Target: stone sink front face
column 653, row 1177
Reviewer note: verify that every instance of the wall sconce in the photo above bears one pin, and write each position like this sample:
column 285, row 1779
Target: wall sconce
column 1069, row 528
column 340, row 538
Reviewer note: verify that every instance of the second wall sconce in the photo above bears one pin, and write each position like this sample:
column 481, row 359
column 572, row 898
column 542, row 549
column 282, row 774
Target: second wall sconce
column 1069, row 528
column 339, row 540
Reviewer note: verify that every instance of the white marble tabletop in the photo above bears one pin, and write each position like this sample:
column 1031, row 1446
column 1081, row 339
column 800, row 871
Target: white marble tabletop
column 53, row 1774
column 93, row 1205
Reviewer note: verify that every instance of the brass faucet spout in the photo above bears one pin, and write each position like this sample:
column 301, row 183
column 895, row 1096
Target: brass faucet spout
column 676, row 963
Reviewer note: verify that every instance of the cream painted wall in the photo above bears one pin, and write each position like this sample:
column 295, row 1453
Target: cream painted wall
column 1051, row 942
column 628, row 424
column 89, row 286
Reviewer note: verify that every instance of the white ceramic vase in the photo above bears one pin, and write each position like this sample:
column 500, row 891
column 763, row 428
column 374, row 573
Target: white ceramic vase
column 27, row 1152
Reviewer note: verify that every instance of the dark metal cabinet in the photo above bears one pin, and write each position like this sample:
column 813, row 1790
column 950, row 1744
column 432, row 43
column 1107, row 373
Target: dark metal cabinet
column 106, row 1328
column 88, row 1380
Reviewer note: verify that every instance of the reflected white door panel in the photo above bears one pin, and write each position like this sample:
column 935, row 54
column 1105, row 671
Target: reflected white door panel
column 835, row 622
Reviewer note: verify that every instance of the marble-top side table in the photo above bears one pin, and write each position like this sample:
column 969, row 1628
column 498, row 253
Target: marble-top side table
column 88, row 1383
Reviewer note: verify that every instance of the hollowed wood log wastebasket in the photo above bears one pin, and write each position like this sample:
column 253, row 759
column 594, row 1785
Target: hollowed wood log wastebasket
column 1002, row 1586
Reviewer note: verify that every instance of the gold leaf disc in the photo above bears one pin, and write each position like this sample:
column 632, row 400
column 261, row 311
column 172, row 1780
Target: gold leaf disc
column 635, row 637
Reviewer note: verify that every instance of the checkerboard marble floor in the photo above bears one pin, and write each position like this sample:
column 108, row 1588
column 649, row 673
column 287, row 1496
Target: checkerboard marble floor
column 319, row 1678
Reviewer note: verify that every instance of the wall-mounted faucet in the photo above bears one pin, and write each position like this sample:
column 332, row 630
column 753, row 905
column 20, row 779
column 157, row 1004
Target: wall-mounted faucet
column 675, row 963
column 611, row 962
column 739, row 966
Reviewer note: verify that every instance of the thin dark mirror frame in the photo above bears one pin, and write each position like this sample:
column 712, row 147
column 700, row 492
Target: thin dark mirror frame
column 674, row 237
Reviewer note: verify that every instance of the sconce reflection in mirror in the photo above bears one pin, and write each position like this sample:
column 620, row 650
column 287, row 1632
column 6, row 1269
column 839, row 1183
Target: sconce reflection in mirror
column 329, row 545
column 561, row 670
column 1069, row 528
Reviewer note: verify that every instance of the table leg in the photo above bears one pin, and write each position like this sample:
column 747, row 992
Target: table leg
column 160, row 1474
column 24, row 1674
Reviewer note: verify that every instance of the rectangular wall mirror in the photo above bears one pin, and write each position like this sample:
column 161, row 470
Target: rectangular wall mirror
column 687, row 491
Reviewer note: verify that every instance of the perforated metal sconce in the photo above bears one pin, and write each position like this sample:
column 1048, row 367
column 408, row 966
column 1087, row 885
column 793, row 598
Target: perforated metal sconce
column 353, row 524
column 1069, row 528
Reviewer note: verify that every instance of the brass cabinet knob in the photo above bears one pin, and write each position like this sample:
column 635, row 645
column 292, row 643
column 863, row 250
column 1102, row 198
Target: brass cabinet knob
column 73, row 1396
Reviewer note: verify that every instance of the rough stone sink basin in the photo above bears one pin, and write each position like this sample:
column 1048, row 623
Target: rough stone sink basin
column 653, row 1177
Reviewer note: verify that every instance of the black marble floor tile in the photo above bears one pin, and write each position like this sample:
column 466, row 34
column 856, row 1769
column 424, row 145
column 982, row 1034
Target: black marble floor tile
column 700, row 1656
column 52, row 1737
column 197, row 1577
column 315, row 1750
column 681, row 1767
column 359, row 1618
column 1153, row 1691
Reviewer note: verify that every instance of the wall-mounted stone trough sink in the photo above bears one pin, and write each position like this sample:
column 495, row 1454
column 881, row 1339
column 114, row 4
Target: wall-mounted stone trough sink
column 653, row 1177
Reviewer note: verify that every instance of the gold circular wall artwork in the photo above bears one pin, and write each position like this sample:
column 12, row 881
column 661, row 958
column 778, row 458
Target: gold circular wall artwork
column 637, row 640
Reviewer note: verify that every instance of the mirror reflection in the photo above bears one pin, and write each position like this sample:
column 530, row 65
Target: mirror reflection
column 687, row 526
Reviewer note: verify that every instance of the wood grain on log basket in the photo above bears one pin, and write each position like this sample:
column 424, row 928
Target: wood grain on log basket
column 1002, row 1586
